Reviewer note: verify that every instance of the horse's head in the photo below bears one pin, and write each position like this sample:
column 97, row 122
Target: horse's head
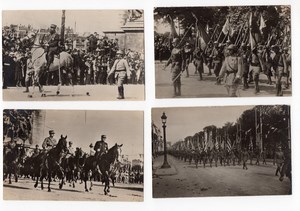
column 115, row 152
column 62, row 143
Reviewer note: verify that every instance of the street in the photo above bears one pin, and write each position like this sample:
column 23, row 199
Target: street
column 24, row 190
column 184, row 180
column 96, row 93
column 193, row 88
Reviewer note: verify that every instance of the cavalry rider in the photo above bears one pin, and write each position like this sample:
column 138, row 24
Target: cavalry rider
column 232, row 68
column 52, row 46
column 71, row 150
column 36, row 151
column 101, row 147
column 49, row 142
column 122, row 71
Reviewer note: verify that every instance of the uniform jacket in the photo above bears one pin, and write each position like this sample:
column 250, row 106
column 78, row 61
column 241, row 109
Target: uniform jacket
column 49, row 143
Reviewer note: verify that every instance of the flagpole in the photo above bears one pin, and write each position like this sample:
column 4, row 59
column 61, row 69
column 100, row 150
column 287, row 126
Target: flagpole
column 261, row 130
column 255, row 125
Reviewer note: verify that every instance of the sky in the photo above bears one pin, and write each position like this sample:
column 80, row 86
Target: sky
column 183, row 122
column 85, row 127
column 86, row 20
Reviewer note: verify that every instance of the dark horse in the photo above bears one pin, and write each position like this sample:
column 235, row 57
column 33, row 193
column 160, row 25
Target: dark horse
column 52, row 163
column 12, row 159
column 104, row 163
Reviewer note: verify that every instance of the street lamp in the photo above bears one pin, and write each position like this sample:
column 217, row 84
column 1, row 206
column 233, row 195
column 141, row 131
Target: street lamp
column 164, row 121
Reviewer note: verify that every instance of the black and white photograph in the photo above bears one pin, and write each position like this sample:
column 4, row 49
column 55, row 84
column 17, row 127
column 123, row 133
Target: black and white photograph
column 227, row 51
column 68, row 55
column 221, row 151
column 73, row 155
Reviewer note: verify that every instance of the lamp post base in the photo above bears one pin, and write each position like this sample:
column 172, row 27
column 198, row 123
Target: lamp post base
column 165, row 165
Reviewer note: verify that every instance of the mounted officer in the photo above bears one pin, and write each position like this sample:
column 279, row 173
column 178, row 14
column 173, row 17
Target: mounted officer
column 52, row 46
column 49, row 142
column 101, row 147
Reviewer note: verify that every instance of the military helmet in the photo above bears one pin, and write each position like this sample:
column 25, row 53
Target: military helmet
column 51, row 132
column 53, row 26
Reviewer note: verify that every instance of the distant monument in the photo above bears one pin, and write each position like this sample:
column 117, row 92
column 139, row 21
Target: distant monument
column 131, row 34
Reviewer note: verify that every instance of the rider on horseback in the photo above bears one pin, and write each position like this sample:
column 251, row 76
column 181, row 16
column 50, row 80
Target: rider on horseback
column 101, row 147
column 52, row 46
column 50, row 141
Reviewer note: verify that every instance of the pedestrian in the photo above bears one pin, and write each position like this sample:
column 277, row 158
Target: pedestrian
column 231, row 71
column 177, row 61
column 122, row 73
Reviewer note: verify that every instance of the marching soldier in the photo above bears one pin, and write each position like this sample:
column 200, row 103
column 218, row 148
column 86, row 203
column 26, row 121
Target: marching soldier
column 50, row 141
column 278, row 62
column 255, row 68
column 217, row 58
column 231, row 71
column 288, row 59
column 245, row 157
column 279, row 159
column 245, row 54
column 188, row 51
column 52, row 46
column 198, row 61
column 177, row 61
column 122, row 71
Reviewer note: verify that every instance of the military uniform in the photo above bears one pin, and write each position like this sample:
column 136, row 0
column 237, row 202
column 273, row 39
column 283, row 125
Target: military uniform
column 255, row 68
column 217, row 60
column 52, row 47
column 177, row 61
column 188, row 51
column 122, row 70
column 245, row 157
column 245, row 54
column 198, row 62
column 101, row 147
column 231, row 71
column 49, row 143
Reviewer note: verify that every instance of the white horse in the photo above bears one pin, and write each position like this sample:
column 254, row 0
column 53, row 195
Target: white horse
column 62, row 61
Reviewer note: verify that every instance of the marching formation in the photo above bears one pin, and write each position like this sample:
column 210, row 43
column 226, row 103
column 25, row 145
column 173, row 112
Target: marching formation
column 253, row 41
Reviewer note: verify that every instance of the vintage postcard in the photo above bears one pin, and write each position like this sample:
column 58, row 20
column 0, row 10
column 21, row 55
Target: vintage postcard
column 221, row 151
column 236, row 51
column 73, row 155
column 77, row 55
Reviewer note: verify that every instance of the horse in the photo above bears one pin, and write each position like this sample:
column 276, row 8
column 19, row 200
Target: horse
column 11, row 160
column 104, row 163
column 62, row 61
column 52, row 163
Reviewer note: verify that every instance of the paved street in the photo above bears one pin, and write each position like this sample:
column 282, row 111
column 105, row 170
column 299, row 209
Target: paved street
column 184, row 180
column 193, row 88
column 24, row 190
column 96, row 93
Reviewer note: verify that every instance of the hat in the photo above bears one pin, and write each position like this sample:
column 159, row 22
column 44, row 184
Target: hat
column 51, row 132
column 103, row 136
column 37, row 145
column 53, row 26
column 231, row 47
column 70, row 142
column 91, row 145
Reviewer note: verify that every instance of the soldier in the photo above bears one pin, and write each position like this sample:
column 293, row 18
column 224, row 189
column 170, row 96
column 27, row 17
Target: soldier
column 122, row 71
column 245, row 157
column 188, row 51
column 71, row 149
column 257, row 155
column 50, row 141
column 279, row 159
column 217, row 58
column 288, row 59
column 245, row 54
column 92, row 152
column 255, row 68
column 198, row 61
column 101, row 147
column 177, row 61
column 278, row 62
column 52, row 46
column 36, row 151
column 264, row 156
column 232, row 70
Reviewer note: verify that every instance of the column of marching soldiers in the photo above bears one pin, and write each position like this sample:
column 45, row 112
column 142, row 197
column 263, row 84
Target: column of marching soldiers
column 20, row 160
column 248, row 53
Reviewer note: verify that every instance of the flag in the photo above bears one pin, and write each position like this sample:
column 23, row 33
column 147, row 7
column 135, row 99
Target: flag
column 228, row 145
column 217, row 143
column 251, row 143
column 173, row 30
column 262, row 24
column 226, row 27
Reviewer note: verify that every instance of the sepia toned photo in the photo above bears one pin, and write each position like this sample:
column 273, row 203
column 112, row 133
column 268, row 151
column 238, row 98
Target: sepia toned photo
column 69, row 155
column 221, row 151
column 236, row 51
column 82, row 55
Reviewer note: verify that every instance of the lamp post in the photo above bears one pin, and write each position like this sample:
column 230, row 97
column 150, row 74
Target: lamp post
column 164, row 121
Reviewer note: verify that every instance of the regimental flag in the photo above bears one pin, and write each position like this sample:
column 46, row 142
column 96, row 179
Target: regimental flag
column 226, row 27
column 228, row 145
column 202, row 37
column 251, row 143
column 262, row 24
column 217, row 142
column 173, row 29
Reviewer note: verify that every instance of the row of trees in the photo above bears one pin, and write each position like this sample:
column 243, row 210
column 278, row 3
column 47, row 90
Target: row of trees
column 262, row 127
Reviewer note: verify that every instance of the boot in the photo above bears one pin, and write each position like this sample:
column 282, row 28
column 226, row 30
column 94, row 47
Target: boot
column 179, row 90
column 119, row 93
column 256, row 87
column 246, row 86
column 175, row 91
column 122, row 92
column 27, row 87
column 279, row 89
